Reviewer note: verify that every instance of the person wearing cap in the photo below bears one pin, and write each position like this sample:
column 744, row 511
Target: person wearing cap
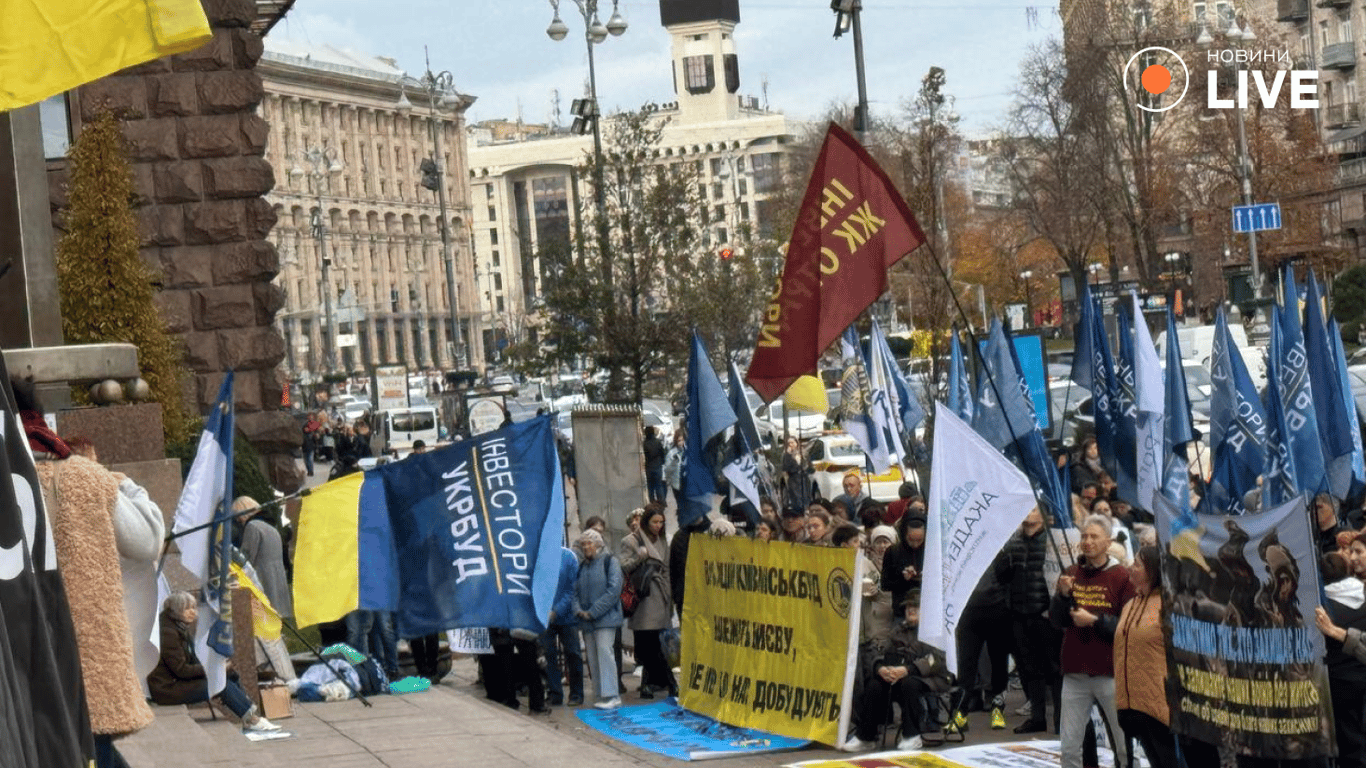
column 900, row 669
column 903, row 561
column 793, row 523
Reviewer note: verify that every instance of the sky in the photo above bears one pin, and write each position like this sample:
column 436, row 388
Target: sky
column 498, row 51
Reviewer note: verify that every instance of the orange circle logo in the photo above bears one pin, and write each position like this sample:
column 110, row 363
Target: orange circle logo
column 1156, row 79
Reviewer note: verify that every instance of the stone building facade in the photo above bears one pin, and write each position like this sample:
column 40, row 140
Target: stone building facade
column 380, row 226
column 197, row 146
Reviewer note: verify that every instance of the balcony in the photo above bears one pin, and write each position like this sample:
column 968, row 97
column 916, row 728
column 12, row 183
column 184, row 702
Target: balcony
column 1334, row 3
column 1340, row 55
column 1342, row 115
column 1292, row 10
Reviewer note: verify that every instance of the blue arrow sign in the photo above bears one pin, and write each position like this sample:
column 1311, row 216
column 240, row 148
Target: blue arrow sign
column 1255, row 218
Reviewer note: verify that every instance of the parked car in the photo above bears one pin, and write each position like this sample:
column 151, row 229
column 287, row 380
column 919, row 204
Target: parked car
column 769, row 419
column 834, row 456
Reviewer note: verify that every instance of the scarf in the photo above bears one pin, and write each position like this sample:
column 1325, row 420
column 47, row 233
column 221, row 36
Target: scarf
column 41, row 438
column 1348, row 592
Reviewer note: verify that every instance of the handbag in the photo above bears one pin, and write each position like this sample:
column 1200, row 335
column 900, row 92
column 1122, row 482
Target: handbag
column 629, row 599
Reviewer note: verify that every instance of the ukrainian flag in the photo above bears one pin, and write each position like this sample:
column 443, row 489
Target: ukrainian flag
column 335, row 527
column 51, row 46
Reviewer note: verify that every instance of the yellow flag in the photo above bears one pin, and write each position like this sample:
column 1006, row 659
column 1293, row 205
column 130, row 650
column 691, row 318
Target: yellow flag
column 265, row 622
column 51, row 46
column 327, row 555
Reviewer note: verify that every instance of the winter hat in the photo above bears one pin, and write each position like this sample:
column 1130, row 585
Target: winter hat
column 884, row 532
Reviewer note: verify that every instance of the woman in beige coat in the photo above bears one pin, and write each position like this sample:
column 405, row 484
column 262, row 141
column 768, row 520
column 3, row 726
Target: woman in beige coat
column 645, row 559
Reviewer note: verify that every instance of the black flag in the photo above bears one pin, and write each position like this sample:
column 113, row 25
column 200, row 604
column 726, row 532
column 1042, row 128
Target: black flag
column 44, row 722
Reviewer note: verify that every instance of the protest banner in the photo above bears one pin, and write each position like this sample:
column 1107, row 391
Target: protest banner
column 1244, row 660
column 668, row 729
column 767, row 640
column 1022, row 754
column 1067, row 545
column 474, row 641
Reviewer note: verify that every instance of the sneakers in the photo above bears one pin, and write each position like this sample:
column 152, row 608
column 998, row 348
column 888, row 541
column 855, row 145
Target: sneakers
column 1025, row 710
column 909, row 743
column 998, row 719
column 575, row 701
column 260, row 724
column 611, row 703
column 855, row 744
column 1032, row 726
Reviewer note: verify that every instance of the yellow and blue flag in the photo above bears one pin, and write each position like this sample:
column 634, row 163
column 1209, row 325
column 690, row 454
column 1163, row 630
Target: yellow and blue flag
column 448, row 539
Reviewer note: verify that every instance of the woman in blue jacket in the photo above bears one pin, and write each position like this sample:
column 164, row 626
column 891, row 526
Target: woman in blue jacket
column 597, row 603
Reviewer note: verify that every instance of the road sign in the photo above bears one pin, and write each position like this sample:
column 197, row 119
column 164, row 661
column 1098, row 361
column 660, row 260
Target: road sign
column 1254, row 218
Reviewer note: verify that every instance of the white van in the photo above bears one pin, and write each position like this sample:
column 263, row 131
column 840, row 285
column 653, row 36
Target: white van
column 403, row 426
column 1198, row 344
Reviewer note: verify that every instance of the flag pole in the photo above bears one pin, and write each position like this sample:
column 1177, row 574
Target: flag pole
column 991, row 380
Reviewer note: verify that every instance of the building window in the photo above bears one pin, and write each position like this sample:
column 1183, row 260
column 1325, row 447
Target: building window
column 500, row 304
column 765, row 172
column 718, row 190
column 699, row 74
column 493, row 213
column 488, row 191
column 732, row 65
column 744, row 211
column 744, row 186
column 496, row 261
column 497, row 281
column 716, row 166
column 493, row 236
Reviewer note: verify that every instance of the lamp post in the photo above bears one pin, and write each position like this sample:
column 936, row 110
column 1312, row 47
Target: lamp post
column 595, row 32
column 322, row 162
column 1173, row 259
column 1029, row 300
column 848, row 15
column 441, row 93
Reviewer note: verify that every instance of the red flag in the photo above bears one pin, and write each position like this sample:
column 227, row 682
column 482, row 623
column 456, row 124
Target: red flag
column 852, row 226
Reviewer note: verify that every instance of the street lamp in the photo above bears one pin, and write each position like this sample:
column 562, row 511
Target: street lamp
column 1173, row 259
column 1095, row 268
column 441, row 93
column 1029, row 300
column 847, row 18
column 322, row 162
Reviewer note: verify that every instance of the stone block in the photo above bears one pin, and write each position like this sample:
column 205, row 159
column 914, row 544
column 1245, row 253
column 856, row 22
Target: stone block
column 174, row 306
column 231, row 306
column 121, row 433
column 270, row 298
column 214, row 221
column 126, row 96
column 229, row 92
column 255, row 134
column 230, row 13
column 208, row 383
column 214, row 55
column 272, row 388
column 247, row 48
column 161, row 225
column 242, row 176
column 270, row 431
column 246, row 391
column 187, row 267
column 153, row 67
column 173, row 95
column 160, row 477
column 179, row 182
column 209, row 136
column 76, row 363
column 260, row 218
column 201, row 350
column 284, row 473
column 144, row 185
column 251, row 261
column 151, row 139
column 244, row 348
column 58, row 182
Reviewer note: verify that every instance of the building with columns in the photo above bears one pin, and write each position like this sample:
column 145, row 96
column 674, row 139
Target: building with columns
column 358, row 213
column 527, row 186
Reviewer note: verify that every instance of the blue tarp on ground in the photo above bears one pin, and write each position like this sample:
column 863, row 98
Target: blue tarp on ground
column 668, row 729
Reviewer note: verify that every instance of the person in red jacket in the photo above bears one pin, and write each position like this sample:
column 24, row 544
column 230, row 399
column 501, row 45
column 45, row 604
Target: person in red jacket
column 1086, row 607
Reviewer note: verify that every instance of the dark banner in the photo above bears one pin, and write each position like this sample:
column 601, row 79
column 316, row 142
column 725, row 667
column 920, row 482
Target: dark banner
column 1245, row 661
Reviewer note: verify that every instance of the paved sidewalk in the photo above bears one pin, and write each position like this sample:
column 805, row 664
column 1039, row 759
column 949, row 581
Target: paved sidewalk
column 450, row 725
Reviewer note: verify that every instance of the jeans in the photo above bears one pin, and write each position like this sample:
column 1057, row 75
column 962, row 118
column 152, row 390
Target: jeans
column 308, row 461
column 358, row 626
column 384, row 642
column 597, row 646
column 1079, row 691
column 568, row 637
column 654, row 484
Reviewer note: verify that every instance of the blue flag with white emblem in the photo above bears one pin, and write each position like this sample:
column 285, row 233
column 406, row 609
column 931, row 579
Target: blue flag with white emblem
column 1177, row 431
column 1289, row 366
column 1103, row 388
column 1124, row 413
column 708, row 416
column 1237, row 426
column 1003, row 412
column 905, row 405
column 858, row 409
column 1334, row 429
column 960, row 390
column 1280, row 476
column 1350, row 406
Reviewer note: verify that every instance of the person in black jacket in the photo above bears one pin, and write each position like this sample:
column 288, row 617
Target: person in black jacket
column 982, row 625
column 902, row 564
column 653, row 448
column 678, row 559
column 1037, row 642
column 1346, row 605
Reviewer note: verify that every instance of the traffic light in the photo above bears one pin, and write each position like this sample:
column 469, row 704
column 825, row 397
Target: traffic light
column 431, row 179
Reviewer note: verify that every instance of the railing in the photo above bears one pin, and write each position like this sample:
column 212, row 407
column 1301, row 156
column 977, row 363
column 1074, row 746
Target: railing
column 1352, row 171
column 1342, row 115
column 1340, row 55
column 1292, row 10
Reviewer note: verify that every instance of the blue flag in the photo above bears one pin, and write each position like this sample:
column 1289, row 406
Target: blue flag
column 1280, row 478
column 708, row 415
column 1335, row 431
column 744, row 417
column 1083, row 365
column 885, row 409
column 1178, row 431
column 1237, row 426
column 904, row 402
column 474, row 529
column 857, row 405
column 746, row 481
column 1003, row 410
column 1289, row 366
column 1124, row 414
column 960, row 390
column 1103, row 388
column 1350, row 405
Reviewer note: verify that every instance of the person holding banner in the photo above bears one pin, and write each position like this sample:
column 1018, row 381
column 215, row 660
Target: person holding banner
column 597, row 604
column 645, row 557
column 1086, row 606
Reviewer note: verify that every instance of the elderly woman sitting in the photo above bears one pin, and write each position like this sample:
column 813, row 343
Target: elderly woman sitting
column 179, row 677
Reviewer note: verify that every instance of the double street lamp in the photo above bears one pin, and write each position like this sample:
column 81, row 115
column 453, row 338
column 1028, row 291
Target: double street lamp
column 441, row 94
column 322, row 162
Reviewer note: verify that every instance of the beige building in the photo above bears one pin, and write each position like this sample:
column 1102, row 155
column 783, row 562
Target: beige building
column 526, row 185
column 379, row 230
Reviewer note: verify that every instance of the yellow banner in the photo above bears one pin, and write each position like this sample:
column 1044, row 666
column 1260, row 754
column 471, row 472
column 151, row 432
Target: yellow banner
column 767, row 641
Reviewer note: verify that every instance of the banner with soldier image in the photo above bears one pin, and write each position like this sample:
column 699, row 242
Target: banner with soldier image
column 1244, row 659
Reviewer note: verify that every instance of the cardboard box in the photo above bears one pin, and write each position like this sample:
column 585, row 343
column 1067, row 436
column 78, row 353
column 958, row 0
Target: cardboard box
column 276, row 702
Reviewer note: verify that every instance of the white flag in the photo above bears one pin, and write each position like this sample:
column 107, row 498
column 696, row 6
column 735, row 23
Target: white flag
column 977, row 500
column 1150, row 392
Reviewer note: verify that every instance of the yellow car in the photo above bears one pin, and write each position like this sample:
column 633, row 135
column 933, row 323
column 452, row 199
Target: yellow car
column 835, row 455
